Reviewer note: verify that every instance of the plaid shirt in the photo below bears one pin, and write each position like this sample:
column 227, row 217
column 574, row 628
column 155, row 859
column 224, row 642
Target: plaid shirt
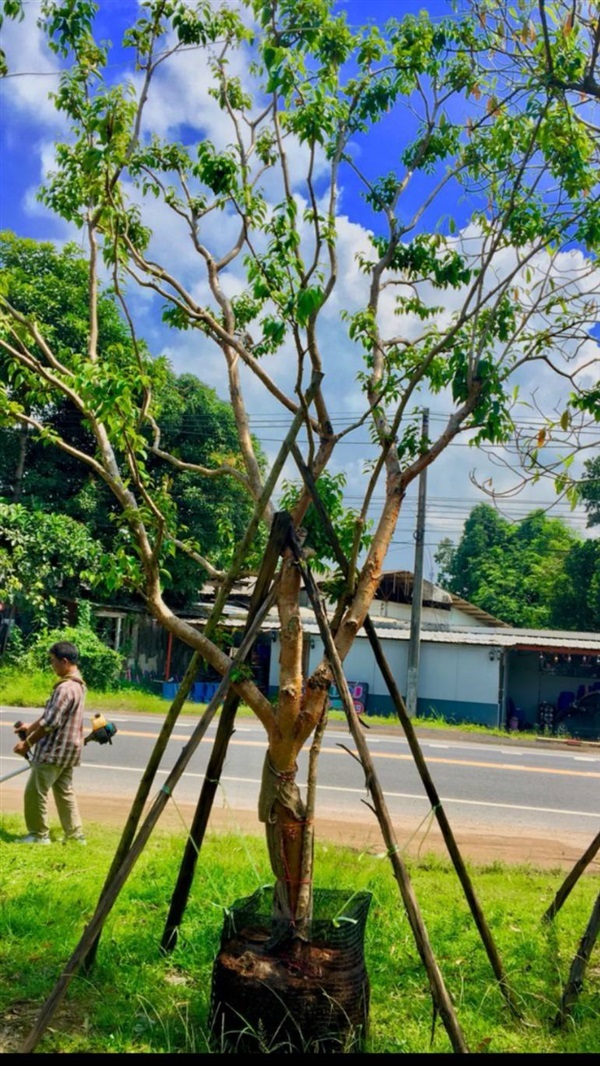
column 63, row 721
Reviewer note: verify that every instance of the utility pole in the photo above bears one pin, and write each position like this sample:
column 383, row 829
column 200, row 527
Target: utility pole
column 414, row 645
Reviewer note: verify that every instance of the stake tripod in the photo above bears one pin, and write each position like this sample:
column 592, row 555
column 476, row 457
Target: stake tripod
column 420, row 762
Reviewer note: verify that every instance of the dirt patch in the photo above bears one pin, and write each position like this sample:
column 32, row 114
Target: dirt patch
column 478, row 844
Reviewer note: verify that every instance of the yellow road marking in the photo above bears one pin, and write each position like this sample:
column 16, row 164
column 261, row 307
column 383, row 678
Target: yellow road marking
column 392, row 755
column 403, row 758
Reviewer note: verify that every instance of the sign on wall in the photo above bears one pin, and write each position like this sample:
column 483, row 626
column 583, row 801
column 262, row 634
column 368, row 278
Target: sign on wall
column 359, row 690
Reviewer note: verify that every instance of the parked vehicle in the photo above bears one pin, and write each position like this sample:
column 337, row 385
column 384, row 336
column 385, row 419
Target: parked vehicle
column 582, row 718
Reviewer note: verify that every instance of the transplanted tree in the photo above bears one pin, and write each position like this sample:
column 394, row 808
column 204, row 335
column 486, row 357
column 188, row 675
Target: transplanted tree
column 462, row 307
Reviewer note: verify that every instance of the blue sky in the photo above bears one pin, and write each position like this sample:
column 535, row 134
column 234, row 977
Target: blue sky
column 28, row 129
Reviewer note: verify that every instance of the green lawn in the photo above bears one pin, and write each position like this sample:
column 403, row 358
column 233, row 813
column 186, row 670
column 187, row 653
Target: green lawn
column 135, row 1000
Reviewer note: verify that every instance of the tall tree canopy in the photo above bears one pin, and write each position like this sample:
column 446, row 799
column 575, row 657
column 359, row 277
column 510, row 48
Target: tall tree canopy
column 536, row 573
column 590, row 491
column 44, row 559
column 482, row 108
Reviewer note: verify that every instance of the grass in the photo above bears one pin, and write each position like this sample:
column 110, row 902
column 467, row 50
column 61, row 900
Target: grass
column 17, row 690
column 136, row 1000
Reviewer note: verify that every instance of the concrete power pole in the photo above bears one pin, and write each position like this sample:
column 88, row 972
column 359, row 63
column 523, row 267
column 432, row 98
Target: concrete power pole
column 414, row 646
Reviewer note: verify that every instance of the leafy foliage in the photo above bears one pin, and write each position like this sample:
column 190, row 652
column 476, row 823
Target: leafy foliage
column 535, row 573
column 590, row 491
column 100, row 666
column 352, row 532
column 44, row 559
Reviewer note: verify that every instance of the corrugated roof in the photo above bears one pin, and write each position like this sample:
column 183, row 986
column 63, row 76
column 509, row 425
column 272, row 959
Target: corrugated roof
column 394, row 629
column 477, row 612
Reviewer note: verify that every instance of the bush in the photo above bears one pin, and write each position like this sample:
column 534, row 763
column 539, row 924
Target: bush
column 15, row 646
column 100, row 666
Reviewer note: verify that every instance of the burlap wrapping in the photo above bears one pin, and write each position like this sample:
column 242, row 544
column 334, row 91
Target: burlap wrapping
column 279, row 788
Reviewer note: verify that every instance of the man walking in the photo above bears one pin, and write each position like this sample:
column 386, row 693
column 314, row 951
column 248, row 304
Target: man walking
column 58, row 739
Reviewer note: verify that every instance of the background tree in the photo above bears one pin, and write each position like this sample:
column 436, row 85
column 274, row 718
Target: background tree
column 461, row 565
column 536, row 573
column 575, row 600
column 590, row 491
column 434, row 310
column 190, row 421
column 45, row 561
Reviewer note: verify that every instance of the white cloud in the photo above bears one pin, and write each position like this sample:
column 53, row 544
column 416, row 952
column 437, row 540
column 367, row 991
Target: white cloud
column 32, row 75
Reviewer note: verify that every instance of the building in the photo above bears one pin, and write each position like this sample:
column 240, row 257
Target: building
column 473, row 668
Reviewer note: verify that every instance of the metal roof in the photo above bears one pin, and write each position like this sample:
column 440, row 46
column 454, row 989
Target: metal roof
column 555, row 640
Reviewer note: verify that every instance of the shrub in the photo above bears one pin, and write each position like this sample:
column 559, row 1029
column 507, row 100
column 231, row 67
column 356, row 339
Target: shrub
column 15, row 646
column 100, row 665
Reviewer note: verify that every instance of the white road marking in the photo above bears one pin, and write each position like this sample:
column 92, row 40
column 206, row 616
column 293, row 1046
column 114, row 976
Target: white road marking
column 360, row 792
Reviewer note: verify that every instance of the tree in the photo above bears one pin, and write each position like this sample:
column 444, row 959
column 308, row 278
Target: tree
column 485, row 530
column 442, row 306
column 575, row 602
column 190, row 421
column 590, row 491
column 536, row 573
column 44, row 559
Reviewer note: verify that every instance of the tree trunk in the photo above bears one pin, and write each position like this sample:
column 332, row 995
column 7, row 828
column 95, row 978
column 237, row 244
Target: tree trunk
column 284, row 814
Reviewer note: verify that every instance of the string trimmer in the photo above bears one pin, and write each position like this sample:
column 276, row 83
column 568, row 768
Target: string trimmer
column 102, row 733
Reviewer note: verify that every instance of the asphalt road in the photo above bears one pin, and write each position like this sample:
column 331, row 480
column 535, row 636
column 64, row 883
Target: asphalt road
column 497, row 787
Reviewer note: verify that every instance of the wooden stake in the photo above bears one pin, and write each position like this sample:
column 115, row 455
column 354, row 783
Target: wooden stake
column 143, row 790
column 420, row 762
column 571, row 880
column 578, row 966
column 440, row 995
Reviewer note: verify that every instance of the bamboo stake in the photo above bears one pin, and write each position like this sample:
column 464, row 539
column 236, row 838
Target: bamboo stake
column 571, row 879
column 108, row 897
column 420, row 762
column 143, row 790
column 440, row 995
column 277, row 537
column 578, row 966
column 442, row 820
column 195, row 839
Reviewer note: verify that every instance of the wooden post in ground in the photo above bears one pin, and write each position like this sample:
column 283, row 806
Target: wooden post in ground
column 571, row 879
column 578, row 966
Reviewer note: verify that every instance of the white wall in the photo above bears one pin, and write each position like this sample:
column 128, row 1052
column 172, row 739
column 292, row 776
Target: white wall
column 457, row 672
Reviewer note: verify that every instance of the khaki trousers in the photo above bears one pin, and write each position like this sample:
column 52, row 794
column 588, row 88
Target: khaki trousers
column 42, row 778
